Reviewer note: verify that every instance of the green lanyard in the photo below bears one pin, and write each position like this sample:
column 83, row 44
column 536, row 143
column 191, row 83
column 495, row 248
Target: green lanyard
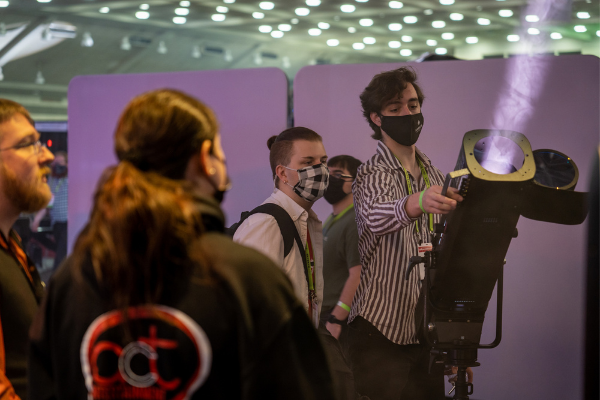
column 332, row 220
column 409, row 188
column 311, row 284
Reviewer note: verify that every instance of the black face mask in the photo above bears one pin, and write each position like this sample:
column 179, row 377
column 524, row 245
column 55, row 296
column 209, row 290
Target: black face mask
column 59, row 170
column 404, row 129
column 335, row 190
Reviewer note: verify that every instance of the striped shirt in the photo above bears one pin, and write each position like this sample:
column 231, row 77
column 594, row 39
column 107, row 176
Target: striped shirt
column 387, row 239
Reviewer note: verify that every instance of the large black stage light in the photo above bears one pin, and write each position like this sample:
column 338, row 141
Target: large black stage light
column 501, row 179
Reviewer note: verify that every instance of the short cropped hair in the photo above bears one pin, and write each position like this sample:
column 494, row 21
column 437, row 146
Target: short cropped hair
column 9, row 108
column 346, row 162
column 281, row 146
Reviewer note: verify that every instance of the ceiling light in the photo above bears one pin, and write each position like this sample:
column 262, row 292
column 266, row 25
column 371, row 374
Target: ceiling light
column 265, row 29
column 369, row 40
column 144, row 6
column 258, row 15
column 266, row 5
column 598, row 33
column 406, row 52
column 394, row 44
column 441, row 51
column 431, row 42
column 184, row 11
column 86, row 40
column 513, row 38
column 302, row 11
column 472, row 39
column 447, row 35
column 218, row 17
column 505, row 13
column 362, row 1
column 103, row 10
column 323, row 25
column 347, row 8
column 294, row 21
column 196, row 53
column 555, row 35
column 446, row 2
column 358, row 46
column 229, row 1
column 182, row 20
column 5, row 3
column 313, row 3
column 428, row 11
column 583, row 15
column 162, row 48
column 396, row 4
column 410, row 19
column 125, row 43
column 333, row 42
column 351, row 29
column 222, row 9
column 533, row 31
column 456, row 17
column 395, row 27
column 284, row 27
column 483, row 21
column 277, row 34
column 184, row 3
column 39, row 78
column 258, row 59
column 532, row 18
column 228, row 56
column 406, row 38
column 366, row 22
column 438, row 24
column 314, row 32
column 285, row 62
column 580, row 28
column 44, row 1
column 142, row 15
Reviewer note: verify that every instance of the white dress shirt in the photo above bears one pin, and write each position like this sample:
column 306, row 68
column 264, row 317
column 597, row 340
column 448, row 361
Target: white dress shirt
column 261, row 232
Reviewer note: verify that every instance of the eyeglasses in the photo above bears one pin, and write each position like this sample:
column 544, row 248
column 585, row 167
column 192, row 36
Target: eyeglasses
column 37, row 146
column 342, row 176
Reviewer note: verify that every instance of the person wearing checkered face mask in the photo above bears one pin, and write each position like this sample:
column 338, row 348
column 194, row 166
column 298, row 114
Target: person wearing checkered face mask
column 298, row 163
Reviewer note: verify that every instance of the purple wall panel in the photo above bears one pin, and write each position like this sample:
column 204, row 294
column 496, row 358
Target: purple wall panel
column 251, row 105
column 554, row 101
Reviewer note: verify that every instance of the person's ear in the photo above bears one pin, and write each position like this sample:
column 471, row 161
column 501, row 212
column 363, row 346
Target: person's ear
column 375, row 118
column 281, row 173
column 207, row 163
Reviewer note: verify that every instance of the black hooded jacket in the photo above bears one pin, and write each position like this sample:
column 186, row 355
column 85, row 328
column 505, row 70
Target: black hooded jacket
column 242, row 335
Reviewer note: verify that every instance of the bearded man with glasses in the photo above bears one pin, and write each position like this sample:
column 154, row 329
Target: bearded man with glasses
column 23, row 188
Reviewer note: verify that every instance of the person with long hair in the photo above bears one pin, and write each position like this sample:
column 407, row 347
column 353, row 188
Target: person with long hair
column 155, row 301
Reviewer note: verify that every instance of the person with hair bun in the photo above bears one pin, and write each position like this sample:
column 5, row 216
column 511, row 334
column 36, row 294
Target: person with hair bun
column 298, row 163
column 156, row 301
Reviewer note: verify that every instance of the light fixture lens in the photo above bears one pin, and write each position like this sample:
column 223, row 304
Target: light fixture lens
column 533, row 31
column 406, row 38
column 555, row 35
column 410, row 19
column 228, row 1
column 396, row 4
column 447, row 35
column 472, row 39
column 313, row 3
column 583, row 15
column 598, row 33
column 362, row 1
column 284, row 27
column 333, row 42
column 277, row 34
column 483, row 21
column 446, row 2
column 351, row 29
column 505, row 13
column 314, row 32
column 5, row 3
column 184, row 11
column 580, row 28
column 441, row 51
column 369, row 40
column 347, row 8
column 142, row 15
column 428, row 11
column 532, row 18
column 44, row 1
column 266, row 5
column 218, row 17
column 144, row 6
column 513, row 38
column 303, row 12
column 431, row 42
column 294, row 21
column 457, row 17
column 179, row 20
column 366, row 22
column 395, row 27
column 438, row 24
column 394, row 44
column 358, row 46
column 103, row 10
column 184, row 3
column 406, row 52
column 258, row 15
column 323, row 25
column 222, row 9
column 265, row 29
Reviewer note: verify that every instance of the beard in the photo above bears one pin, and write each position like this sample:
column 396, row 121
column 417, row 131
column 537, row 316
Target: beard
column 28, row 196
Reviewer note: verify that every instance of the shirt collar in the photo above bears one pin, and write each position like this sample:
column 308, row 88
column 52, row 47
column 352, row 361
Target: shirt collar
column 293, row 208
column 388, row 158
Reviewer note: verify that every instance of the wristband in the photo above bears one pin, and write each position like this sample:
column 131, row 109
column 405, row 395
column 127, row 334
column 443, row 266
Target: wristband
column 333, row 320
column 344, row 306
column 421, row 202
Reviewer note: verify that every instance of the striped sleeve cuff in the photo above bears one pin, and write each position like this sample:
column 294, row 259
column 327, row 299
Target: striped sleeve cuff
column 401, row 214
